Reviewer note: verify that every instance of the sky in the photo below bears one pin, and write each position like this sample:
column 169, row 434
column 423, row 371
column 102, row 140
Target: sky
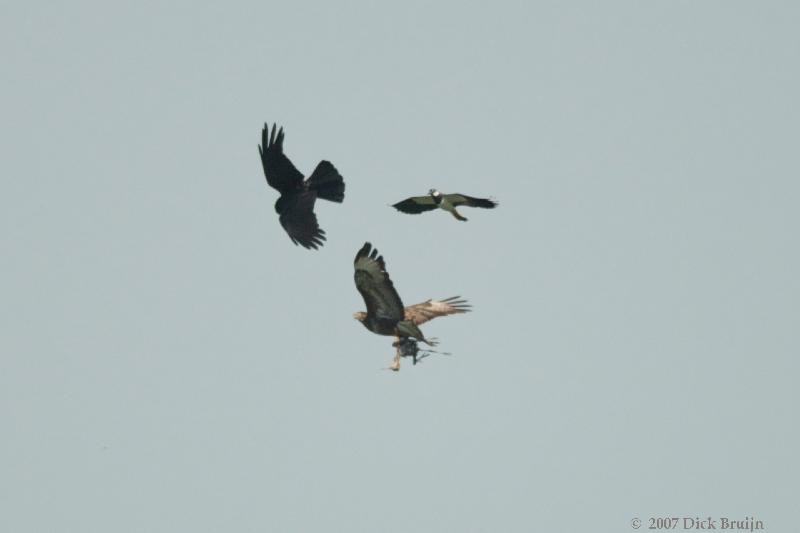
column 170, row 361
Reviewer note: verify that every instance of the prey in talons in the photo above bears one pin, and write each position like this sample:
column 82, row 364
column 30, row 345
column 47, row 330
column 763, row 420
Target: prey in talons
column 408, row 347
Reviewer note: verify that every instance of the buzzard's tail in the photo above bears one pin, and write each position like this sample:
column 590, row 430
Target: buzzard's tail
column 407, row 328
column 327, row 182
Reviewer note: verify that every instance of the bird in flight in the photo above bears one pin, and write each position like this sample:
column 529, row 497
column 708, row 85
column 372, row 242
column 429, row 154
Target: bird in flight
column 386, row 314
column 295, row 206
column 419, row 204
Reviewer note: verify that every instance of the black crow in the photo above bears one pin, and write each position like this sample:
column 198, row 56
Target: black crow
column 296, row 203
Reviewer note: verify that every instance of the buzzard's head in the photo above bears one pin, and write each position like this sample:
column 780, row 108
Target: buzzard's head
column 360, row 316
column 434, row 193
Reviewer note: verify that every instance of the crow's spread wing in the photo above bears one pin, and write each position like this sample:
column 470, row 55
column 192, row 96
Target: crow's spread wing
column 463, row 199
column 373, row 282
column 279, row 171
column 430, row 309
column 416, row 205
column 298, row 219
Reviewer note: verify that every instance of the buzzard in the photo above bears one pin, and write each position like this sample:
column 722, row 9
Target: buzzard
column 386, row 314
column 419, row 204
column 295, row 206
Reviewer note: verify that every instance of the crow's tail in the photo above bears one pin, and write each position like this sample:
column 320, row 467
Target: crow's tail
column 327, row 182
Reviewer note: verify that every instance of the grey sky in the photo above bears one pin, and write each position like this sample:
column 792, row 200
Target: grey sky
column 169, row 361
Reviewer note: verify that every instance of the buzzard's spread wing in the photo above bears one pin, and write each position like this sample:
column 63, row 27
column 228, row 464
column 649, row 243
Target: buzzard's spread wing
column 280, row 172
column 463, row 199
column 430, row 309
column 373, row 282
column 300, row 222
column 416, row 205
